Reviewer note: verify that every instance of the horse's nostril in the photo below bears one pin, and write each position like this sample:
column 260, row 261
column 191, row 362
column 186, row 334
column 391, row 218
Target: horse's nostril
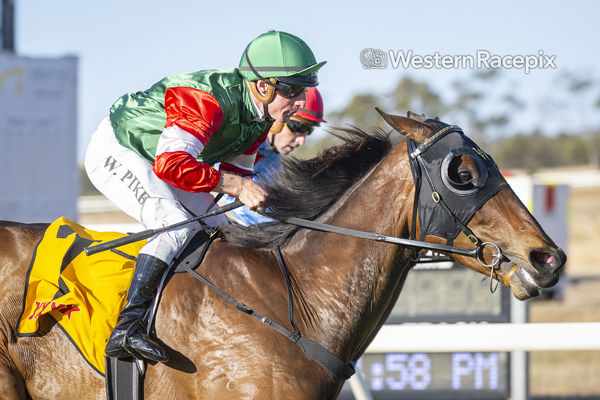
column 548, row 259
column 542, row 258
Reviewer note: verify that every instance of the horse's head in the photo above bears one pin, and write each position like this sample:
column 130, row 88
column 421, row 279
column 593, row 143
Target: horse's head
column 462, row 199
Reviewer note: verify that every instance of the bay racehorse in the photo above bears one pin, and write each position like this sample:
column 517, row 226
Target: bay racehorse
column 342, row 287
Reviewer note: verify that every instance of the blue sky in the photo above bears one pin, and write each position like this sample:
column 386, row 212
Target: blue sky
column 127, row 45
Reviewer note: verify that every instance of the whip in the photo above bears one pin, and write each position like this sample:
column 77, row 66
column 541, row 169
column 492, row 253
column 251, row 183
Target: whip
column 136, row 237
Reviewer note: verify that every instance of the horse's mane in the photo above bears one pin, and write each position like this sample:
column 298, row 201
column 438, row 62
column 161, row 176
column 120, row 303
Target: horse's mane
column 307, row 188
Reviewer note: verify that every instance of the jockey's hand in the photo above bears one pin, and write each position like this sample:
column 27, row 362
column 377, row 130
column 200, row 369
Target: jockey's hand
column 248, row 191
column 252, row 195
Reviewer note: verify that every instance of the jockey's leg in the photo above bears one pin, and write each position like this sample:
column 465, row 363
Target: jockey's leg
column 129, row 336
column 128, row 180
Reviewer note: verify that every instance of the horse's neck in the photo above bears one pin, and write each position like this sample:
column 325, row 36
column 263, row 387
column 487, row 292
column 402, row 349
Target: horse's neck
column 343, row 285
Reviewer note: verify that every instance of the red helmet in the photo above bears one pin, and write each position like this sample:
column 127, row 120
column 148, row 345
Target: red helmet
column 313, row 113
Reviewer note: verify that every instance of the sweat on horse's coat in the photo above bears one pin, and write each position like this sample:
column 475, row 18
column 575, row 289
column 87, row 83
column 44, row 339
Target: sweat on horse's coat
column 343, row 288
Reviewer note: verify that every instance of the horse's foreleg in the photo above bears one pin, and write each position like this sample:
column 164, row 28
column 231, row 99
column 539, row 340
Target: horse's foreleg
column 12, row 385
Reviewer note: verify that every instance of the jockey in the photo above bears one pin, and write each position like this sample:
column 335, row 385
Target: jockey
column 154, row 157
column 282, row 139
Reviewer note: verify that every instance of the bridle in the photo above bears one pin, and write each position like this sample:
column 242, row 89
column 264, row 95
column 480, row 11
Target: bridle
column 431, row 159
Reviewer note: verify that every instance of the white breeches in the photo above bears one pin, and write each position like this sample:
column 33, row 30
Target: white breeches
column 127, row 179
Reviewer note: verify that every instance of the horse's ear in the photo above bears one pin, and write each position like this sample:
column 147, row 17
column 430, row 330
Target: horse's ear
column 416, row 117
column 410, row 127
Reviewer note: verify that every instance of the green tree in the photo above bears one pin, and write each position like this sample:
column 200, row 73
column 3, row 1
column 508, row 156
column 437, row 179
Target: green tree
column 360, row 112
column 419, row 97
column 578, row 87
column 485, row 107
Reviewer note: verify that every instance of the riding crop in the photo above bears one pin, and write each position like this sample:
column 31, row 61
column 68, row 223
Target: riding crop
column 136, row 237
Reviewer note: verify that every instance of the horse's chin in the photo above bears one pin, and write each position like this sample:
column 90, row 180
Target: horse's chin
column 523, row 285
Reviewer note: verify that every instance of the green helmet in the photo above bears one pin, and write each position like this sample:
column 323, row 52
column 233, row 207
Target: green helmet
column 282, row 56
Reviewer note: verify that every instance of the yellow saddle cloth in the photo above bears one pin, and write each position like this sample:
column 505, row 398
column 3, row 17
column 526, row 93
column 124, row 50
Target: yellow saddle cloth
column 84, row 295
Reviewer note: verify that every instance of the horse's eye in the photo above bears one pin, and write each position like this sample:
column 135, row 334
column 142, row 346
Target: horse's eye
column 465, row 176
column 462, row 173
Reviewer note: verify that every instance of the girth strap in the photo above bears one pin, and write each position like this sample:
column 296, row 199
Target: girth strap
column 340, row 370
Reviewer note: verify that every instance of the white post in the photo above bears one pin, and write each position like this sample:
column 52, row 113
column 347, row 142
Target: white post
column 519, row 364
column 359, row 387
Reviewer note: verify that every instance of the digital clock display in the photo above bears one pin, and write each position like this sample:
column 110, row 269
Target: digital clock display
column 434, row 375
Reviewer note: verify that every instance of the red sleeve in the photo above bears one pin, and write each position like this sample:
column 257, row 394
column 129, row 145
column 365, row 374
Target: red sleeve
column 195, row 111
column 198, row 113
column 184, row 172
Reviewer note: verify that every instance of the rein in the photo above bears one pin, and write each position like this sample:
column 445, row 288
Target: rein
column 318, row 226
column 476, row 253
column 340, row 370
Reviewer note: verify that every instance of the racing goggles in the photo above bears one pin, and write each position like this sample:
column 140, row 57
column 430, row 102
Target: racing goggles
column 298, row 128
column 289, row 91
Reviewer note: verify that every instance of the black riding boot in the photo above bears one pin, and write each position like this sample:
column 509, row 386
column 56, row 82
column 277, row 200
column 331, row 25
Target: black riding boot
column 129, row 338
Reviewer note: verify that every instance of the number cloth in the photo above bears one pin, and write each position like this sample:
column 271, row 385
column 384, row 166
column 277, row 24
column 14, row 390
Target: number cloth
column 82, row 294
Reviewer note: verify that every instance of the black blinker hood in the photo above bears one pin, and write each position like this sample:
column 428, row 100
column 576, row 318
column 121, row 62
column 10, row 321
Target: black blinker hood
column 429, row 162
